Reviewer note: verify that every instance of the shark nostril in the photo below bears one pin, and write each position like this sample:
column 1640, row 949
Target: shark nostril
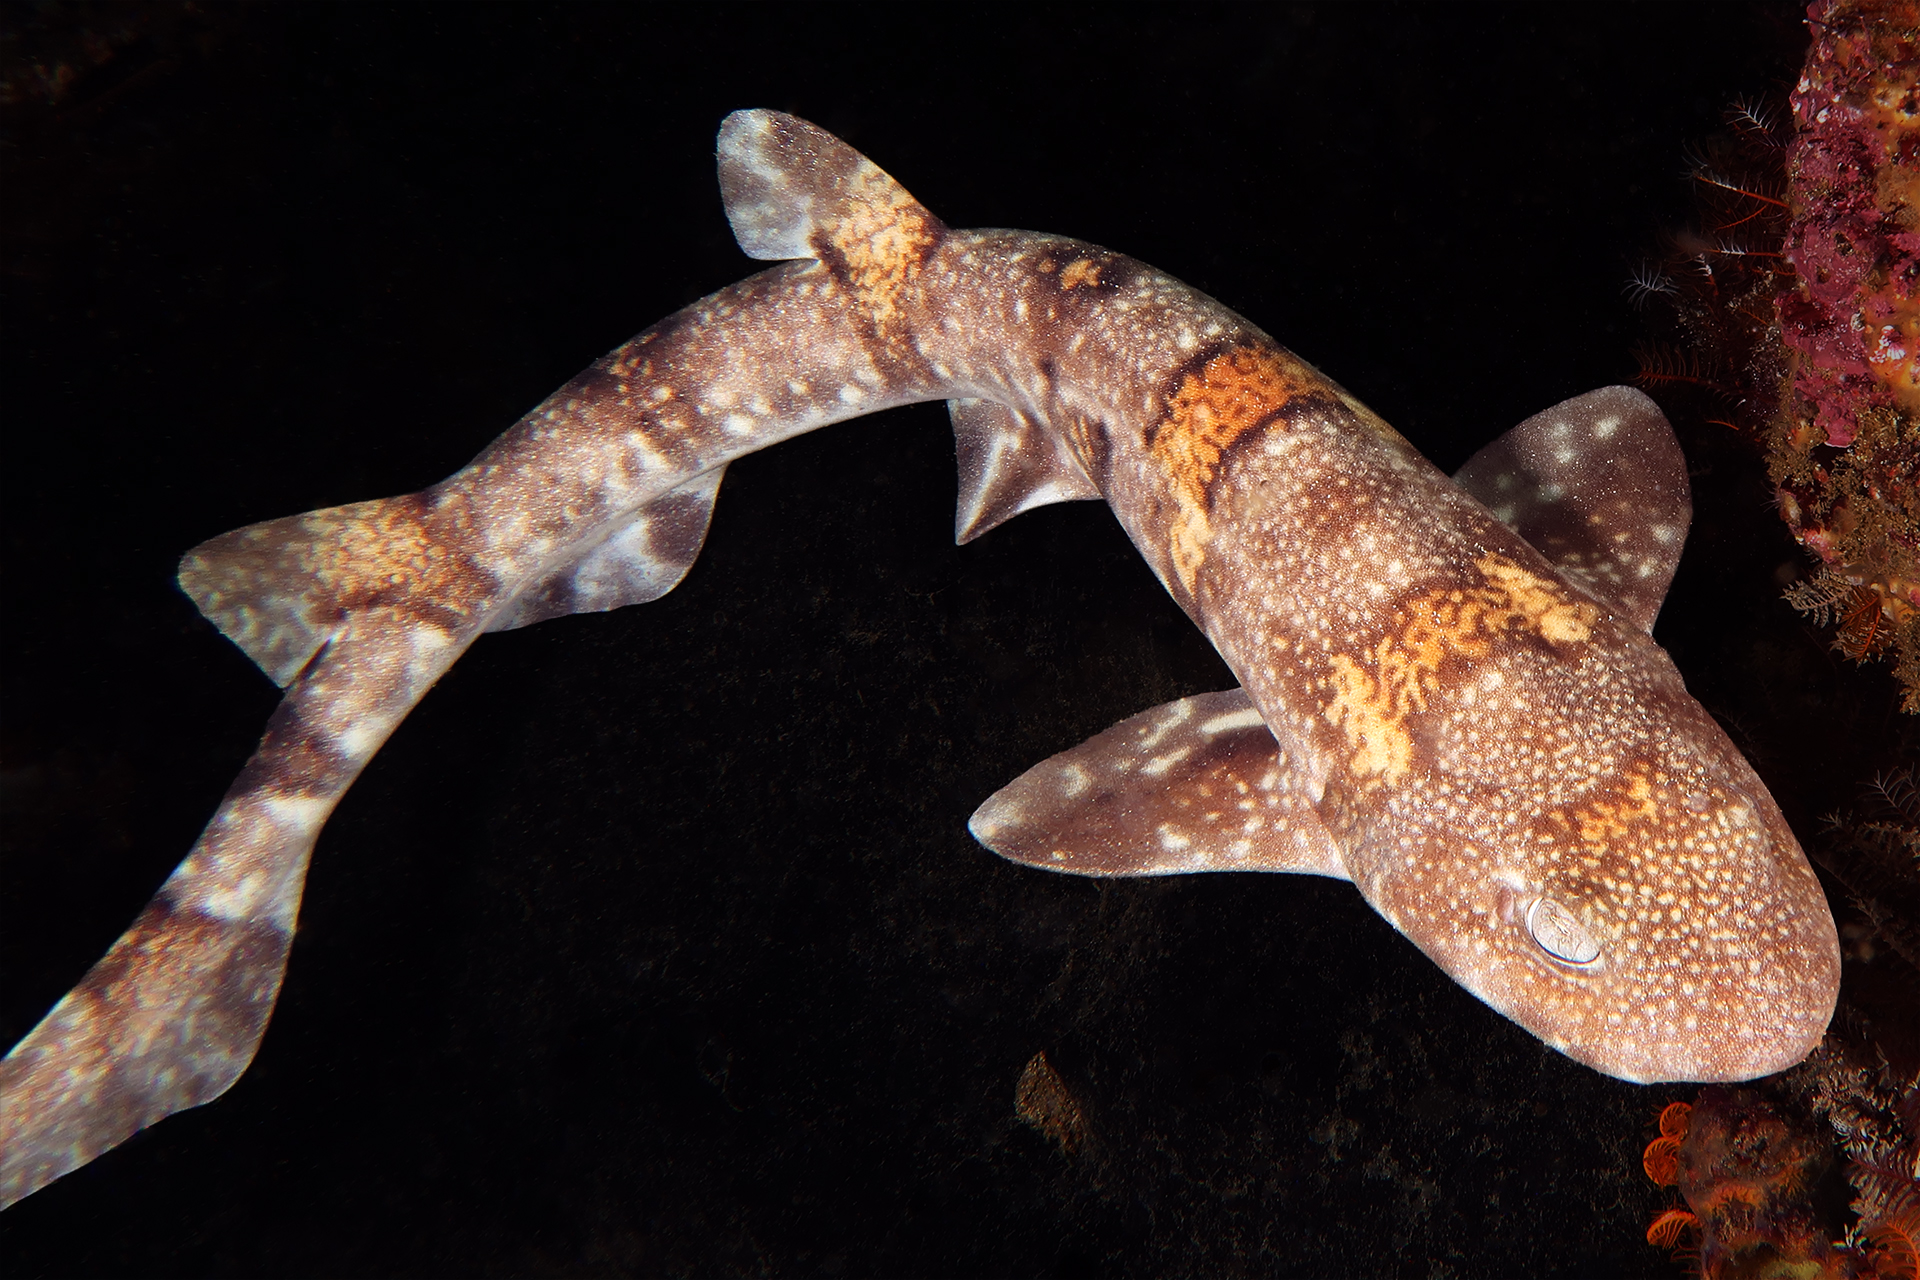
column 1560, row 934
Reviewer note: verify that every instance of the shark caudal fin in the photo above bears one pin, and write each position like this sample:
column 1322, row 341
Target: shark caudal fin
column 170, row 1017
column 166, row 1020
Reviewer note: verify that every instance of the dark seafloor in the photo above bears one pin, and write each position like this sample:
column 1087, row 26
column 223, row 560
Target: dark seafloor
column 654, row 942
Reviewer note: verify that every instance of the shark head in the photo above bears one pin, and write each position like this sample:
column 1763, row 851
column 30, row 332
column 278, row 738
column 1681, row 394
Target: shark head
column 1629, row 893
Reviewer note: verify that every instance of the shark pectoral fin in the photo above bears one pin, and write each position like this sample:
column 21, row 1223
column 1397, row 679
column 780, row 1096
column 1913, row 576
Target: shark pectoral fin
column 637, row 560
column 1008, row 464
column 1598, row 484
column 1194, row 785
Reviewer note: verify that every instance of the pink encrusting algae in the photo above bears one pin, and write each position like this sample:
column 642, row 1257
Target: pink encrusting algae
column 1844, row 448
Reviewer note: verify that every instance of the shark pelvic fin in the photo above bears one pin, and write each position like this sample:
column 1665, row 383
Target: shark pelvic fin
column 1008, row 464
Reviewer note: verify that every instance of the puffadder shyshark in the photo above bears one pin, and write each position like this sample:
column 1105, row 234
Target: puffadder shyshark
column 1448, row 692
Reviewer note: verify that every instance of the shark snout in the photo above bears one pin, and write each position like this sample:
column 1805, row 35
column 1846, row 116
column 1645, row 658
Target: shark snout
column 1659, row 986
column 1679, row 997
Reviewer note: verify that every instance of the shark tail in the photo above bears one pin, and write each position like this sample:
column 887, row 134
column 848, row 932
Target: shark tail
column 356, row 610
column 170, row 1017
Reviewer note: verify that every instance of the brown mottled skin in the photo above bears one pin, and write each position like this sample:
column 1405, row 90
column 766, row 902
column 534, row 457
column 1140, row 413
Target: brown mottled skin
column 1501, row 760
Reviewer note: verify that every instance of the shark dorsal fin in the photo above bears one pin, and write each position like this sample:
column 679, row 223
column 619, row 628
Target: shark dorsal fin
column 793, row 190
column 1599, row 486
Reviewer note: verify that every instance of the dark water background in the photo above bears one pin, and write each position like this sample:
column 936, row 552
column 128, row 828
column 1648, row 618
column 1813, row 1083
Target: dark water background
column 654, row 942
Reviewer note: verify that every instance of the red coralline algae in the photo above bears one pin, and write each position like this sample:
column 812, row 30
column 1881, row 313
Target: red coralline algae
column 1853, row 320
column 1844, row 449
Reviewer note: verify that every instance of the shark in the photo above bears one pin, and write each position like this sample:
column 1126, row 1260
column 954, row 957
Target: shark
column 1448, row 692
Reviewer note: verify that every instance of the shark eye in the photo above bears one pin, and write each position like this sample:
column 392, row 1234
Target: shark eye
column 1559, row 934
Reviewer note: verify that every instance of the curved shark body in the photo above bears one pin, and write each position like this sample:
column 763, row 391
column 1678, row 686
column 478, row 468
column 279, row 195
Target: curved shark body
column 1448, row 694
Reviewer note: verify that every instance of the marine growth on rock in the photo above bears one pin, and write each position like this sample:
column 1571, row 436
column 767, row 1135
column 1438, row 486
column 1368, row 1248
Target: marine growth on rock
column 1843, row 449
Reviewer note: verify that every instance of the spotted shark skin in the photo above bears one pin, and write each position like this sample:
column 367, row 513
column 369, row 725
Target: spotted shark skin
column 1448, row 693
